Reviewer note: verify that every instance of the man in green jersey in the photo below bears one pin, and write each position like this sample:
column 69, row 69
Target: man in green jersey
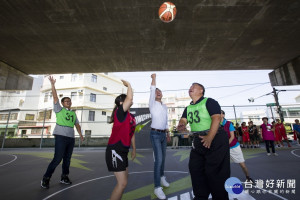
column 209, row 162
column 64, row 137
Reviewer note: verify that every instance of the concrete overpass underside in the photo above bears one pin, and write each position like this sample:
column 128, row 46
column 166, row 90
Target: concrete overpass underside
column 72, row 36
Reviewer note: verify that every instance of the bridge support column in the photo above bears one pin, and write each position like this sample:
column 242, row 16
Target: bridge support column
column 287, row 74
column 12, row 79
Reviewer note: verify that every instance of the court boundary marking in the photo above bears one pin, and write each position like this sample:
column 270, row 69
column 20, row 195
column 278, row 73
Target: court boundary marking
column 292, row 152
column 141, row 172
column 9, row 161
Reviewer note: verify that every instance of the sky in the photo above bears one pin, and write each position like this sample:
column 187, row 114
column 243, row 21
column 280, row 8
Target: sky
column 227, row 87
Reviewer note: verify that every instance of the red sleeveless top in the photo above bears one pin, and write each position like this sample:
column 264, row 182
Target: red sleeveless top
column 122, row 131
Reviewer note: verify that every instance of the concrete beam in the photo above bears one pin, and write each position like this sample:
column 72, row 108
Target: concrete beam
column 287, row 74
column 12, row 79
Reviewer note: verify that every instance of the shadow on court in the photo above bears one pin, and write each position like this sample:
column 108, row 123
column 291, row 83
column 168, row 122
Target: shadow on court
column 21, row 171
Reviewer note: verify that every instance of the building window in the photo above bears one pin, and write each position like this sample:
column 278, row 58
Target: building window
column 108, row 119
column 93, row 97
column 74, row 77
column 61, row 77
column 46, row 97
column 88, row 133
column 94, row 78
column 74, row 96
column 4, row 116
column 105, row 88
column 42, row 113
column 103, row 113
column 60, row 95
column 13, row 116
column 29, row 117
column 91, row 115
column 80, row 95
column 106, row 73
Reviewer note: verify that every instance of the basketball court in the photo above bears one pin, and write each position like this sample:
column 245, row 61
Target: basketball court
column 22, row 169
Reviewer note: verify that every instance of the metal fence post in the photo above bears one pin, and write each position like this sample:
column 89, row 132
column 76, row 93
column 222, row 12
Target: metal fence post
column 5, row 130
column 235, row 114
column 43, row 128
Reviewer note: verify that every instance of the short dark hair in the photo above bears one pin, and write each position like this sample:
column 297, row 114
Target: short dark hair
column 63, row 99
column 222, row 112
column 200, row 86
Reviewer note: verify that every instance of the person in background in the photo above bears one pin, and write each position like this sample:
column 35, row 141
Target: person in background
column 278, row 137
column 268, row 136
column 296, row 128
column 121, row 137
column 239, row 134
column 175, row 138
column 246, row 138
column 281, row 128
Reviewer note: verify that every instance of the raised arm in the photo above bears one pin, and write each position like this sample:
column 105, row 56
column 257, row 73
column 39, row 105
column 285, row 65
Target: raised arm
column 129, row 98
column 54, row 93
column 133, row 152
column 152, row 90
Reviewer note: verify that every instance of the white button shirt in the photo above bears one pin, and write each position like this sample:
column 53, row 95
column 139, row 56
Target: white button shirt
column 159, row 112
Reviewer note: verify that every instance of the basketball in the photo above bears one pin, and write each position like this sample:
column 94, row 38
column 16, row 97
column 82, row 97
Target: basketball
column 167, row 12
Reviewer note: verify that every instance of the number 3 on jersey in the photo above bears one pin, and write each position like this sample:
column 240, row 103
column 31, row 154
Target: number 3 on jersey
column 194, row 117
column 68, row 117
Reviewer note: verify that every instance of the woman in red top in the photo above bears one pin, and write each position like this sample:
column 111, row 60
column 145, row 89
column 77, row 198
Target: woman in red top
column 119, row 142
column 278, row 137
column 246, row 137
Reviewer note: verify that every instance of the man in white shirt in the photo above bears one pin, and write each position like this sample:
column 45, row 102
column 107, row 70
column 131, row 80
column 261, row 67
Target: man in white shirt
column 159, row 136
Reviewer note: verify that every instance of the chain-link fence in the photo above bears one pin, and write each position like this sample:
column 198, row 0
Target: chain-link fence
column 34, row 128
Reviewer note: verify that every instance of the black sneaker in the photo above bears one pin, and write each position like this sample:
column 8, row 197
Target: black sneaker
column 250, row 180
column 65, row 180
column 45, row 182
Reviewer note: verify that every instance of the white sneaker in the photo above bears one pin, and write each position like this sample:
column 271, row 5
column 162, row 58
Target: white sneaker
column 164, row 182
column 268, row 154
column 159, row 193
column 275, row 154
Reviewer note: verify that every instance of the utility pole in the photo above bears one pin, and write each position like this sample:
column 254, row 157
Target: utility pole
column 275, row 93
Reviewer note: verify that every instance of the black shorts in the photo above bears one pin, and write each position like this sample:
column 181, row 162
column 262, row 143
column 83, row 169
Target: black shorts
column 116, row 157
column 254, row 137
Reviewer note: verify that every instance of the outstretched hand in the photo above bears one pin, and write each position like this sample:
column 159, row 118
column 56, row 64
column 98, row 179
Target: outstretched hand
column 153, row 76
column 52, row 80
column 125, row 83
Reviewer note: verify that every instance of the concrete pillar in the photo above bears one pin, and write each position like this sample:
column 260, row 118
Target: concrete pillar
column 287, row 74
column 12, row 79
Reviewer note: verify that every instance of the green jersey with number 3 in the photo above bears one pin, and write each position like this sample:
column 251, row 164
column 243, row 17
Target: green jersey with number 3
column 198, row 116
column 66, row 118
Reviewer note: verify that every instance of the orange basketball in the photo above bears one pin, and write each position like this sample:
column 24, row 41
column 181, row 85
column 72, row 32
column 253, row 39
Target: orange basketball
column 167, row 12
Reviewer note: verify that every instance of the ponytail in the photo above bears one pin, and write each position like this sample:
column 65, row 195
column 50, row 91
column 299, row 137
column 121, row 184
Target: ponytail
column 118, row 100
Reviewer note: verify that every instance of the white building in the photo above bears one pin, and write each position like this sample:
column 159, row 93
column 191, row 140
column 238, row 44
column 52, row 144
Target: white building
column 22, row 107
column 31, row 112
column 92, row 95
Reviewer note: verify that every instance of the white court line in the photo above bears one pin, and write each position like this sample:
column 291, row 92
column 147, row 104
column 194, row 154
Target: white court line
column 271, row 193
column 9, row 161
column 293, row 152
column 182, row 172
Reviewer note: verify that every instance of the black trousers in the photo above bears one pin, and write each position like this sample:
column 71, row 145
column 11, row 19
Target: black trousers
column 268, row 144
column 210, row 168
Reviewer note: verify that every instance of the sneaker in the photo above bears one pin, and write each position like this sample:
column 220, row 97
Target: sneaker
column 45, row 182
column 159, row 193
column 249, row 180
column 268, row 154
column 65, row 180
column 164, row 182
column 275, row 154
